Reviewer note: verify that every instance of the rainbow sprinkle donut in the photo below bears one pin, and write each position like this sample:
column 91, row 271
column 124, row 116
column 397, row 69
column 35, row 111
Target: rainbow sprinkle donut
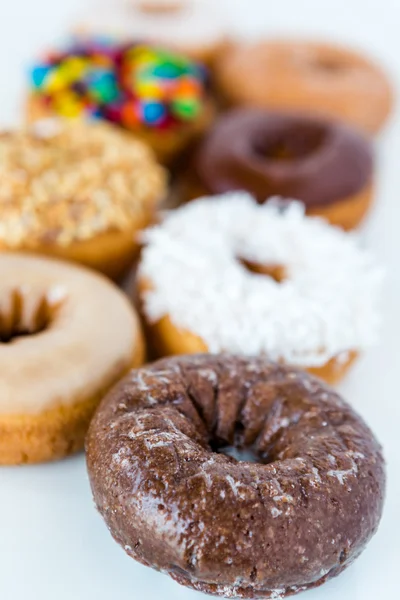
column 133, row 85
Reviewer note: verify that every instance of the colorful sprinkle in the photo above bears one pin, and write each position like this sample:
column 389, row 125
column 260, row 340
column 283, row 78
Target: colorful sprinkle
column 186, row 108
column 102, row 86
column 130, row 115
column 39, row 75
column 153, row 113
column 132, row 85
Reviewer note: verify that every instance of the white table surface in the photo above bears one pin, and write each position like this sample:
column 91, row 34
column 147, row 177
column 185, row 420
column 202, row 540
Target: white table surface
column 53, row 545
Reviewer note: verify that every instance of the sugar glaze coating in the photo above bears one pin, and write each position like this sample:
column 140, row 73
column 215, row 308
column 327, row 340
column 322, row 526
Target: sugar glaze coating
column 295, row 519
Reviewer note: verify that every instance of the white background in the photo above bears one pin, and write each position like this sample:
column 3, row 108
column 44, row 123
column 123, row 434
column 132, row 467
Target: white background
column 53, row 545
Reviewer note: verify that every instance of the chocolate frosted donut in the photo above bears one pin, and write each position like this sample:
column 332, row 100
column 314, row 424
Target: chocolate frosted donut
column 161, row 475
column 326, row 165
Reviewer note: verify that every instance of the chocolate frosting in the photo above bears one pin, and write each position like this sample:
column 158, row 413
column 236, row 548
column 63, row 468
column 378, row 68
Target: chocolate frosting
column 280, row 154
column 170, row 496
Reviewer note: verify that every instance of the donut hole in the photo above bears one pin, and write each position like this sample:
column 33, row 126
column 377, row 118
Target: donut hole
column 236, row 449
column 22, row 314
column 157, row 8
column 293, row 143
column 328, row 64
column 274, row 271
column 239, row 454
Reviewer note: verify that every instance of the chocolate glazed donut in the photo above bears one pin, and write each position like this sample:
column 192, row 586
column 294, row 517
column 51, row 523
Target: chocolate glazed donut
column 326, row 165
column 170, row 496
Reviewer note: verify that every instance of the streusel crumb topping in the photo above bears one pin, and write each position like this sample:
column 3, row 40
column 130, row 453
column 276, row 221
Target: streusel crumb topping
column 62, row 182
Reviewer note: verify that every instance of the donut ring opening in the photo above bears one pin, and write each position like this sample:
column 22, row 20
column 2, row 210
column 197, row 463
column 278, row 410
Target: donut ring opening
column 276, row 272
column 157, row 8
column 17, row 321
column 293, row 142
column 329, row 65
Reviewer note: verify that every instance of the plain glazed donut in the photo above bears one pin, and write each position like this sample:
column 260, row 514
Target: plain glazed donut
column 159, row 455
column 324, row 164
column 66, row 336
column 80, row 192
column 225, row 274
column 315, row 77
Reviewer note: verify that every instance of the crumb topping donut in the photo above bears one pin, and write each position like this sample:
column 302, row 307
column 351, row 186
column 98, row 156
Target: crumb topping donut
column 59, row 354
column 225, row 274
column 300, row 75
column 77, row 191
column 159, row 95
column 326, row 165
column 159, row 455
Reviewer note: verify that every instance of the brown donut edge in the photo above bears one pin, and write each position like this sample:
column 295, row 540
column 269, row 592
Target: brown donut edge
column 105, row 442
column 248, row 593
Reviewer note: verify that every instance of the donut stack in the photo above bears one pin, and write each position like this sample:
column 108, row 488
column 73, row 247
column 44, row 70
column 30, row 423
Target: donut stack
column 250, row 291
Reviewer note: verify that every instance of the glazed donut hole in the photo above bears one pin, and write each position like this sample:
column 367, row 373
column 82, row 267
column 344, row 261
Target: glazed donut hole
column 296, row 141
column 26, row 312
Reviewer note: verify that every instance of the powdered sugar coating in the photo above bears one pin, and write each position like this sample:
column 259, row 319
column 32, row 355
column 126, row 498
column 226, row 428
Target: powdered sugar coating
column 325, row 306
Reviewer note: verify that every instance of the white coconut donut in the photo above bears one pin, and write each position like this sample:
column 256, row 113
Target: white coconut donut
column 226, row 274
column 66, row 336
column 196, row 27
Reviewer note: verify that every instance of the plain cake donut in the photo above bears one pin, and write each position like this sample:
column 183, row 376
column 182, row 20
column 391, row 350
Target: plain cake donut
column 162, row 475
column 225, row 274
column 300, row 75
column 326, row 165
column 66, row 336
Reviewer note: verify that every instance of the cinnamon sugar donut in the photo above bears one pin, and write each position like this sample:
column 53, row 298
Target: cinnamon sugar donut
column 59, row 354
column 314, row 77
column 159, row 455
column 77, row 191
column 326, row 165
column 225, row 274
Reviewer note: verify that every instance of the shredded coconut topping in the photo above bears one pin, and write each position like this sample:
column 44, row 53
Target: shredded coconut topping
column 195, row 265
column 59, row 182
